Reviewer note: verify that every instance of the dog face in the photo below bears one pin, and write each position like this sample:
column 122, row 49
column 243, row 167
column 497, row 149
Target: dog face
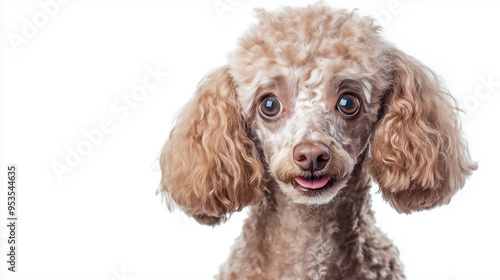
column 312, row 95
column 311, row 137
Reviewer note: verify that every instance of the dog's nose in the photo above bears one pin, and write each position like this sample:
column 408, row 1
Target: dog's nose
column 311, row 156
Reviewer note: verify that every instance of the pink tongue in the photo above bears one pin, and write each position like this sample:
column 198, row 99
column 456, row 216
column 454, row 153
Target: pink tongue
column 314, row 183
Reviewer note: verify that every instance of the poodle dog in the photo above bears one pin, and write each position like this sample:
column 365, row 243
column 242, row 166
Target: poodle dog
column 311, row 107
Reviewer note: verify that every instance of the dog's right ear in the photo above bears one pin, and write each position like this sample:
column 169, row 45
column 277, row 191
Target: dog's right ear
column 210, row 167
column 418, row 155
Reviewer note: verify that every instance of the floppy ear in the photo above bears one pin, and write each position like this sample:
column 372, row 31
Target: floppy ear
column 418, row 156
column 210, row 167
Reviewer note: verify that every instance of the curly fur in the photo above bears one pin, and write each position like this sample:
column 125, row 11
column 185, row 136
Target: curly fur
column 222, row 155
column 210, row 167
column 425, row 160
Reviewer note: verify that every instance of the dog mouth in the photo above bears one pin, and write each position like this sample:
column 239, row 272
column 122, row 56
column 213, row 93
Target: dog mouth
column 313, row 186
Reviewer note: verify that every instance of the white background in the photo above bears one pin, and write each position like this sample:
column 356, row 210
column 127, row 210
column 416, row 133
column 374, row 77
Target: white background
column 102, row 220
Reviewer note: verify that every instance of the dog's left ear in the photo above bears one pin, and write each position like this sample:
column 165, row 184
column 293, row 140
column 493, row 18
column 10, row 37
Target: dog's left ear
column 210, row 166
column 418, row 155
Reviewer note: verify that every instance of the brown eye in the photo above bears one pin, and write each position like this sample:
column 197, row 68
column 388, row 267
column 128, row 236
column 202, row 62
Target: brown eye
column 348, row 104
column 270, row 107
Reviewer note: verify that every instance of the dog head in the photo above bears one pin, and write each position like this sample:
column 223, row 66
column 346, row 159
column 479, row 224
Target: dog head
column 308, row 93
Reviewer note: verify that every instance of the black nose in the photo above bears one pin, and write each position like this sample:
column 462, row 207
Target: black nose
column 311, row 156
